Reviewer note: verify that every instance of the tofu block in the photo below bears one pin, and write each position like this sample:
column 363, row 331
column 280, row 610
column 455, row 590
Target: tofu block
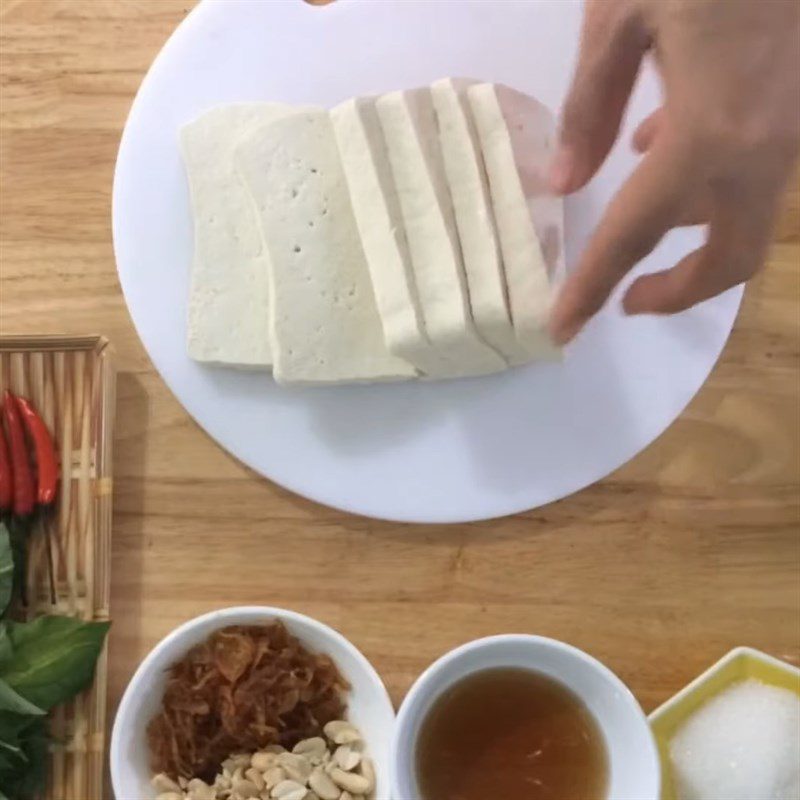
column 324, row 323
column 469, row 189
column 229, row 293
column 409, row 125
column 515, row 133
column 377, row 212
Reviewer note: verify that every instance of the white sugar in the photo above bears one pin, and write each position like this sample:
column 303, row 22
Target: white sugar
column 741, row 745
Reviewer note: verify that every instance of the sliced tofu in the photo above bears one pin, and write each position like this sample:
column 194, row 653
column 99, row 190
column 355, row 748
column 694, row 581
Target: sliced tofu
column 532, row 130
column 325, row 324
column 380, row 224
column 469, row 189
column 515, row 133
column 229, row 292
column 409, row 125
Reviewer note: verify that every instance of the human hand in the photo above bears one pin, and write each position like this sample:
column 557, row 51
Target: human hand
column 718, row 152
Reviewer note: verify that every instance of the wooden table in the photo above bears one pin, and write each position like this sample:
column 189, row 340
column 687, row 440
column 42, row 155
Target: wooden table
column 689, row 550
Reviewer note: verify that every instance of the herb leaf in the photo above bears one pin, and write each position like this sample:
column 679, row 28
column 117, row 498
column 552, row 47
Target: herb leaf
column 53, row 658
column 23, row 761
column 11, row 725
column 6, row 650
column 6, row 568
column 35, row 746
column 14, row 702
column 13, row 749
column 13, row 759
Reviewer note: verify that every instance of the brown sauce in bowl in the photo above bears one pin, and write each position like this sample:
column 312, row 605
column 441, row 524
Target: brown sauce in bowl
column 513, row 734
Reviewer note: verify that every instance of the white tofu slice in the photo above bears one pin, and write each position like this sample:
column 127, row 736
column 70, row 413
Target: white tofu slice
column 325, row 324
column 409, row 125
column 469, row 189
column 377, row 212
column 516, row 133
column 229, row 293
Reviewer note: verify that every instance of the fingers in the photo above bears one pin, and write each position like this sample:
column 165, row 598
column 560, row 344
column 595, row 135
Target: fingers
column 613, row 43
column 644, row 209
column 675, row 289
column 645, row 134
column 697, row 209
column 738, row 240
column 701, row 275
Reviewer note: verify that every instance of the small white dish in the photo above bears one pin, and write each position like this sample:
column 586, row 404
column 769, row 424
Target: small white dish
column 741, row 663
column 634, row 770
column 369, row 706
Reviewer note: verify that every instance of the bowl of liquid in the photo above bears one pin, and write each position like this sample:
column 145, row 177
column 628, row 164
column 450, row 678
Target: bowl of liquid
column 522, row 716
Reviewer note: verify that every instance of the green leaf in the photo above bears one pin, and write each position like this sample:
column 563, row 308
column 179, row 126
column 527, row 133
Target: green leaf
column 12, row 701
column 23, row 776
column 6, row 568
column 53, row 658
column 35, row 745
column 14, row 749
column 8, row 768
column 6, row 650
column 12, row 725
column 13, row 759
column 11, row 768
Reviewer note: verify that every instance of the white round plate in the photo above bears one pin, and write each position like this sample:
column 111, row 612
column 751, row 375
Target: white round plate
column 430, row 452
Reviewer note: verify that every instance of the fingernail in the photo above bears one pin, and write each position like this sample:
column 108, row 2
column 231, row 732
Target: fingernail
column 561, row 170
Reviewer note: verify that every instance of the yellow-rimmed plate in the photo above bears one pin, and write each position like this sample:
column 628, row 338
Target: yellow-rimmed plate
column 738, row 665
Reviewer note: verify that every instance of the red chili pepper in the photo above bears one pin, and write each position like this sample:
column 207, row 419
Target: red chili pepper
column 24, row 490
column 6, row 476
column 46, row 461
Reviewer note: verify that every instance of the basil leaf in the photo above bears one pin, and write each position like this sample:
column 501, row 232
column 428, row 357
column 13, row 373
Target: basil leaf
column 8, row 768
column 18, row 750
column 53, row 658
column 6, row 650
column 32, row 781
column 13, row 749
column 11, row 725
column 11, row 767
column 12, row 701
column 23, row 764
column 6, row 568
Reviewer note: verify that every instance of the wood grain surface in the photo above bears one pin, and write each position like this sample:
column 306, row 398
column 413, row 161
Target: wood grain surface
column 689, row 550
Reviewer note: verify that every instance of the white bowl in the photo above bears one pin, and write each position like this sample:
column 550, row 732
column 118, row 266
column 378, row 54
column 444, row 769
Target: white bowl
column 635, row 773
column 369, row 706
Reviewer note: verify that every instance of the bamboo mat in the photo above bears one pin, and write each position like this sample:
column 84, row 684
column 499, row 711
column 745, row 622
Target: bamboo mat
column 71, row 382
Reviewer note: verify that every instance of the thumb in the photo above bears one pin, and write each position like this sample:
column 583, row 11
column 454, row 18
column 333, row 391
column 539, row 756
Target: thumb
column 613, row 43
